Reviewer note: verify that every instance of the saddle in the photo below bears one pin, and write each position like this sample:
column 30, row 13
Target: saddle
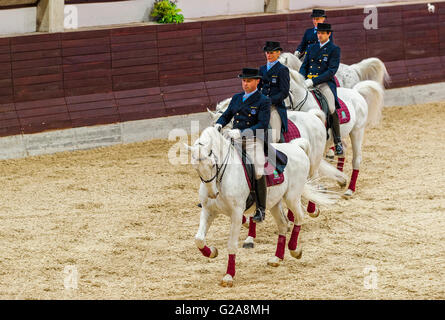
column 276, row 161
column 343, row 111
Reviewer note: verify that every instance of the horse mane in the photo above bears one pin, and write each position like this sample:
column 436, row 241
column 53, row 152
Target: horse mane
column 298, row 77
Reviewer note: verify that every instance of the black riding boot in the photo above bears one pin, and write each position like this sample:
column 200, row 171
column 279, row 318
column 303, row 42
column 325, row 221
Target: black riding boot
column 260, row 197
column 336, row 134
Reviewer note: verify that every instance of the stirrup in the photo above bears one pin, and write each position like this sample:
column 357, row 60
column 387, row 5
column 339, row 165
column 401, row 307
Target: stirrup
column 339, row 149
column 260, row 215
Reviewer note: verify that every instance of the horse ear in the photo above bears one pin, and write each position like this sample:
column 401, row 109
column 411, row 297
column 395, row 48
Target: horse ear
column 214, row 115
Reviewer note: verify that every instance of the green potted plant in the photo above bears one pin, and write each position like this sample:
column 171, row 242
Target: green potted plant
column 165, row 11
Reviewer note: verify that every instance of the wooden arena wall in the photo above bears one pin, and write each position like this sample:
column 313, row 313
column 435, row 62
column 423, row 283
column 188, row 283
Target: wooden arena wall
column 83, row 78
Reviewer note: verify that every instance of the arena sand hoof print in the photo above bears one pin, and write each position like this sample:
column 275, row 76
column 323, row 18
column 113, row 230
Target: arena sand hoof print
column 274, row 262
column 227, row 281
column 249, row 243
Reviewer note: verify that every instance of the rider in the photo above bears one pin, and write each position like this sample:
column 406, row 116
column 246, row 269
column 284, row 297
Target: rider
column 275, row 84
column 310, row 35
column 250, row 111
column 319, row 67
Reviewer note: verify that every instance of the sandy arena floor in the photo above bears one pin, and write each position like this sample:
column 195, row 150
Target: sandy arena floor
column 125, row 220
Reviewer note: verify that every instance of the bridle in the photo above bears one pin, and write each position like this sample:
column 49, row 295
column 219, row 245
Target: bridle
column 302, row 102
column 219, row 169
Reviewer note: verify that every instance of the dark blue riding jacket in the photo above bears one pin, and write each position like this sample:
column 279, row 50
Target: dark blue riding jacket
column 321, row 64
column 309, row 37
column 254, row 113
column 275, row 84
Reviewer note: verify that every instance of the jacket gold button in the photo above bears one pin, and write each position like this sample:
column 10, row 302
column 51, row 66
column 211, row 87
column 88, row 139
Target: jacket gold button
column 237, row 121
column 318, row 67
column 249, row 114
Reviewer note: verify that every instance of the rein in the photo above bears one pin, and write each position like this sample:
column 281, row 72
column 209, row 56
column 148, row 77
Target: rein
column 218, row 169
column 302, row 102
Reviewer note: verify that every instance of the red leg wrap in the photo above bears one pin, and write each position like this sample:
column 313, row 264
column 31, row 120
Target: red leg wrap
column 252, row 228
column 353, row 180
column 290, row 216
column 340, row 163
column 231, row 265
column 280, row 247
column 311, row 207
column 244, row 220
column 206, row 251
column 292, row 245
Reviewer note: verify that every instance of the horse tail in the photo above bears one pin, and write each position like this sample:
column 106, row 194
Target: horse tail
column 312, row 193
column 319, row 114
column 373, row 94
column 331, row 172
column 303, row 144
column 372, row 69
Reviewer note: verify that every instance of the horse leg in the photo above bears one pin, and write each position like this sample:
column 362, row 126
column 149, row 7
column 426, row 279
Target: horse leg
column 232, row 246
column 204, row 225
column 249, row 242
column 356, row 141
column 293, row 241
column 281, row 222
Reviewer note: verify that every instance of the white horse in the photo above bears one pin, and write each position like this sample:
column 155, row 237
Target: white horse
column 348, row 75
column 364, row 102
column 224, row 189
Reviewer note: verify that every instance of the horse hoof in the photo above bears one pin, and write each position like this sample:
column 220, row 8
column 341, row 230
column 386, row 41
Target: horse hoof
column 342, row 184
column 314, row 214
column 348, row 194
column 214, row 252
column 274, row 261
column 227, row 281
column 296, row 253
column 248, row 243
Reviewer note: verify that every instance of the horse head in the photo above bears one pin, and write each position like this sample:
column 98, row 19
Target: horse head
column 204, row 160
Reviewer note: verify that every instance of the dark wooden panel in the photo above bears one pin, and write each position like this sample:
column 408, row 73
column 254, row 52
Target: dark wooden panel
column 178, row 43
column 139, row 100
column 47, row 78
column 179, row 65
column 177, row 34
column 225, row 67
column 228, row 28
column 46, row 93
column 91, row 105
column 82, row 120
column 95, row 65
column 153, row 68
column 102, row 41
column 73, row 35
column 127, row 85
column 35, row 38
column 39, row 103
column 134, row 62
column 36, row 63
column 132, row 38
column 232, row 36
column 87, row 74
column 75, row 51
column 137, row 93
column 189, row 94
column 144, row 111
column 87, row 58
column 181, row 79
column 234, row 45
column 265, row 19
column 21, row 73
column 39, row 112
column 151, row 54
column 267, row 34
column 119, row 47
column 78, row 83
column 89, row 98
column 35, row 46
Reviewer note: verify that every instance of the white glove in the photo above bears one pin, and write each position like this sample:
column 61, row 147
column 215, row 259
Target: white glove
column 217, row 126
column 233, row 134
column 297, row 53
column 309, row 83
